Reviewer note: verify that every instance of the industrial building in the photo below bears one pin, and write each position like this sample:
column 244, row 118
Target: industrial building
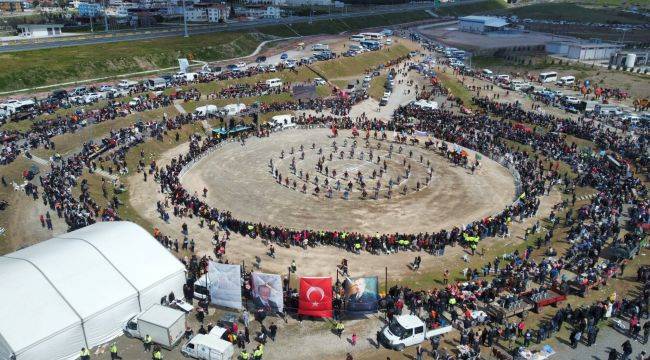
column 481, row 24
column 590, row 50
column 630, row 59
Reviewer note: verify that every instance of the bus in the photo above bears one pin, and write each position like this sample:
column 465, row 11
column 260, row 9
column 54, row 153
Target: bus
column 373, row 36
column 545, row 77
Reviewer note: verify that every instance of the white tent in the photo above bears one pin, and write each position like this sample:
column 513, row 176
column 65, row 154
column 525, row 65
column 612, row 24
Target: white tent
column 78, row 289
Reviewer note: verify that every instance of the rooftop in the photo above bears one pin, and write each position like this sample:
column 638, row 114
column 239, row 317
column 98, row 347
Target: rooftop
column 490, row 21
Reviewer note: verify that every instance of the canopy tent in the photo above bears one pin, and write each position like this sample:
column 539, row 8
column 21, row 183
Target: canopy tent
column 78, row 289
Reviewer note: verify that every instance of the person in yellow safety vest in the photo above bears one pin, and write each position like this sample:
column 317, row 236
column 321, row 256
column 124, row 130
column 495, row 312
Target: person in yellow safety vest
column 357, row 246
column 339, row 328
column 243, row 355
column 147, row 343
column 84, row 354
column 113, row 351
column 257, row 355
column 157, row 355
column 452, row 302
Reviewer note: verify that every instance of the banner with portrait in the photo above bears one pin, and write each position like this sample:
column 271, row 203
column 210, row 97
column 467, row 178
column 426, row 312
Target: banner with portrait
column 267, row 292
column 315, row 297
column 224, row 283
column 361, row 294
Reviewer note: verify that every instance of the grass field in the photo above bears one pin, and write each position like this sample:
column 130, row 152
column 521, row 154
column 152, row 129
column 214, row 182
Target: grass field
column 345, row 67
column 50, row 66
column 469, row 9
column 377, row 89
column 68, row 142
column 573, row 12
column 456, row 88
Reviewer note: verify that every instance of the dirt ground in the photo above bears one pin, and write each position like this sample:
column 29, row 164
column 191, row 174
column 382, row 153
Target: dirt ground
column 316, row 340
column 237, row 176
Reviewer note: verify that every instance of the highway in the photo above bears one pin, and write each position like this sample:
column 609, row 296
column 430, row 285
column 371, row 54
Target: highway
column 144, row 34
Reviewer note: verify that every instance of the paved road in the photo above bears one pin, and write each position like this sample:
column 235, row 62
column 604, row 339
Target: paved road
column 608, row 339
column 196, row 30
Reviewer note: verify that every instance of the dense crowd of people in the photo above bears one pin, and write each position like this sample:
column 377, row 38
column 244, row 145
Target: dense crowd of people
column 594, row 229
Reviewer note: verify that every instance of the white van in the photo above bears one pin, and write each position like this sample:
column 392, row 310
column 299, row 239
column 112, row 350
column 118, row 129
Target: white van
column 273, row 83
column 503, row 77
column 208, row 347
column 320, row 47
column 357, row 37
column 201, row 288
column 204, row 111
column 566, row 81
column 126, row 84
column 282, row 122
column 233, row 109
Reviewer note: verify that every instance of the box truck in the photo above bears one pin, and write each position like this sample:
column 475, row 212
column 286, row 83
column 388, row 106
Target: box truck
column 165, row 325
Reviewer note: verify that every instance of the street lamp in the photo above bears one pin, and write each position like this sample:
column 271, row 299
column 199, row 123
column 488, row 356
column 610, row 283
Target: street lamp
column 105, row 18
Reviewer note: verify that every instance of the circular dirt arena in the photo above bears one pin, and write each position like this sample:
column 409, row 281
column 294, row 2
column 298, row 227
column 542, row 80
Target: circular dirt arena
column 244, row 180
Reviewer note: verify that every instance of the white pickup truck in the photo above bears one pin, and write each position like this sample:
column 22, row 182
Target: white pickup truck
column 408, row 330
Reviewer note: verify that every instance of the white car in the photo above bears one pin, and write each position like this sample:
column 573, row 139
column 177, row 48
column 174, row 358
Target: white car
column 241, row 64
column 367, row 79
column 318, row 81
column 290, row 63
column 105, row 88
column 571, row 100
column 272, row 68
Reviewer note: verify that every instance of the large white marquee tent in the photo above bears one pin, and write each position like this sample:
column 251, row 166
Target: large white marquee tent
column 79, row 289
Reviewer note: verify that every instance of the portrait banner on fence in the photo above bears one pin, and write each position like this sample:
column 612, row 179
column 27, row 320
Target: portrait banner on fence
column 224, row 282
column 315, row 298
column 361, row 294
column 267, row 292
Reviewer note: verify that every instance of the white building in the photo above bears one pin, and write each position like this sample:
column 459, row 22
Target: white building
column 481, row 24
column 217, row 13
column 196, row 14
column 268, row 2
column 39, row 30
column 589, row 50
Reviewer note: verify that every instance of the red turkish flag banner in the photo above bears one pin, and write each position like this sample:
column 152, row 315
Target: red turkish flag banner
column 315, row 297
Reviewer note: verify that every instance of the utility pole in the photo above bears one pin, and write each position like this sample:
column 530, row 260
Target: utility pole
column 185, row 21
column 105, row 18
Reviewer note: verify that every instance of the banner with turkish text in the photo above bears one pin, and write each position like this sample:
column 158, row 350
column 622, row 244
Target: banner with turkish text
column 315, row 297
